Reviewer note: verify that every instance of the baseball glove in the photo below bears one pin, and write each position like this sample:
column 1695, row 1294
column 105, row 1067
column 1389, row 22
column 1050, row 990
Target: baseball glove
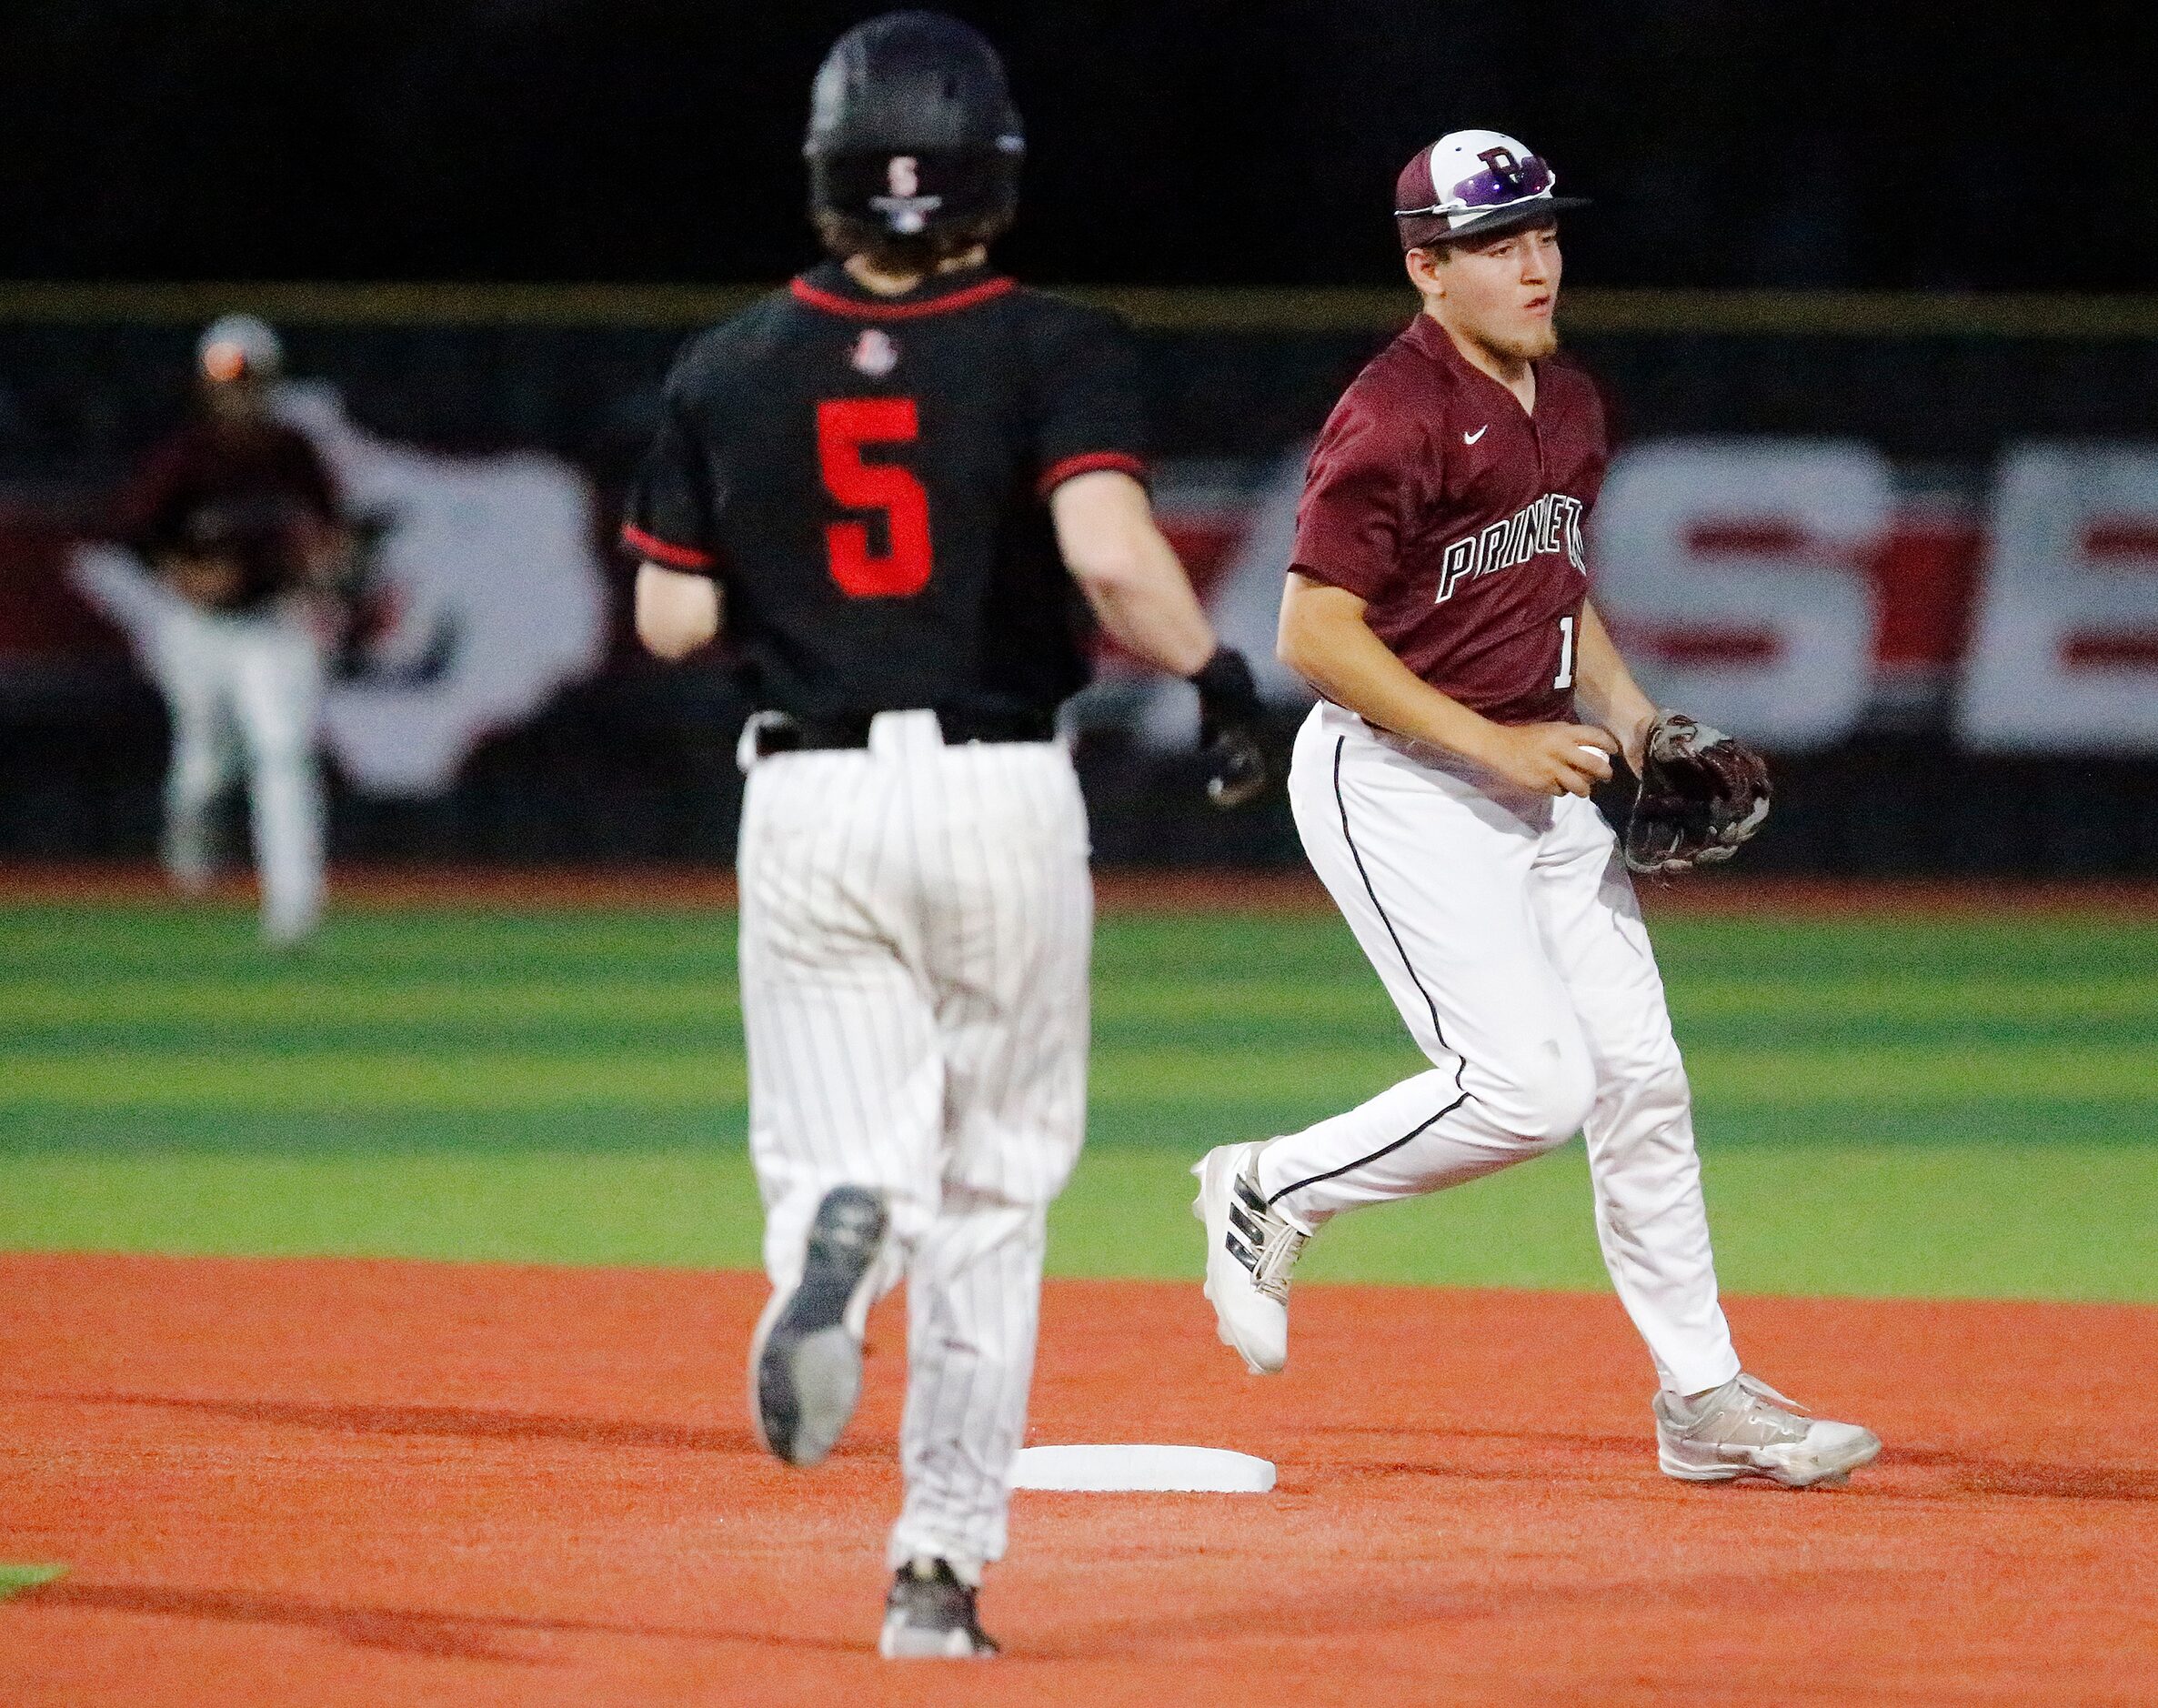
column 1702, row 795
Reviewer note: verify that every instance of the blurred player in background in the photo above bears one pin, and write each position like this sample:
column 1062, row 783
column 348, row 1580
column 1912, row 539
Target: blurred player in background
column 1437, row 600
column 889, row 487
column 240, row 520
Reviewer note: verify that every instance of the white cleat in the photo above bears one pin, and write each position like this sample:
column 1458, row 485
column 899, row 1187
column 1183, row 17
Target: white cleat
column 1746, row 1429
column 1249, row 1251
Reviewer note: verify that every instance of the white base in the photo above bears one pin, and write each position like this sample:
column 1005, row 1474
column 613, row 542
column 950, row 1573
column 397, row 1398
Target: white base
column 1134, row 1468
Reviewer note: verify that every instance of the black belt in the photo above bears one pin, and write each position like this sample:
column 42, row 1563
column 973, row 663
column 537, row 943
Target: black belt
column 851, row 730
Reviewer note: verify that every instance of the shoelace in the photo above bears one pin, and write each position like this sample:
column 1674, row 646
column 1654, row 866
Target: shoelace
column 1278, row 1253
column 1760, row 1389
column 1261, row 1240
column 1756, row 1407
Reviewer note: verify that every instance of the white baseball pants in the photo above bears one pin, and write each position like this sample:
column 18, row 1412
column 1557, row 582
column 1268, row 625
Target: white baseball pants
column 915, row 935
column 251, row 687
column 1505, row 927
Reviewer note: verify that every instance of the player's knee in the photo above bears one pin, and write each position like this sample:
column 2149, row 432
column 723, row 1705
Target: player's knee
column 1546, row 1095
column 1564, row 1103
column 189, row 781
column 283, row 767
column 1664, row 1086
column 1649, row 1101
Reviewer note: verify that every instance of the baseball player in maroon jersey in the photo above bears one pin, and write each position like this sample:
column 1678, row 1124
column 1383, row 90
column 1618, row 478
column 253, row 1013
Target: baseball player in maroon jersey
column 242, row 521
column 1438, row 602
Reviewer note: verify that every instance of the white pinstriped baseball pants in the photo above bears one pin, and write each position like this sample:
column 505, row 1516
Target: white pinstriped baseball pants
column 1506, row 930
column 916, row 928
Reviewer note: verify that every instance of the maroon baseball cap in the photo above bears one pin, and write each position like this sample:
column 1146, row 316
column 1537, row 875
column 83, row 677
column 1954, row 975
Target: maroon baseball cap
column 1474, row 184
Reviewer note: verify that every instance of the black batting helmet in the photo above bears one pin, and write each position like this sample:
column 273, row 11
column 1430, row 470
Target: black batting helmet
column 912, row 133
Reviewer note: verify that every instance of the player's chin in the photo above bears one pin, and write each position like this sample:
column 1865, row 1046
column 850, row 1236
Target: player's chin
column 1535, row 338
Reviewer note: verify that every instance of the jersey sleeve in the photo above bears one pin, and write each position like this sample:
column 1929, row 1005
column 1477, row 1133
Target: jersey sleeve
column 671, row 510
column 1091, row 402
column 1358, row 497
column 153, row 508
column 312, row 482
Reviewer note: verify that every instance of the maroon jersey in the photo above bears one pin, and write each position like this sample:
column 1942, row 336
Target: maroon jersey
column 254, row 496
column 1456, row 516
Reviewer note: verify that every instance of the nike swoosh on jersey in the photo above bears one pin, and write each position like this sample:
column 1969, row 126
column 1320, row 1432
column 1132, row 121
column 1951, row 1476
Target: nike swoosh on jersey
column 1471, row 438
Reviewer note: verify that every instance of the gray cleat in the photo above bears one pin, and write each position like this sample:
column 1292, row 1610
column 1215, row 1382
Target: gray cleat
column 929, row 1616
column 1746, row 1429
column 806, row 1363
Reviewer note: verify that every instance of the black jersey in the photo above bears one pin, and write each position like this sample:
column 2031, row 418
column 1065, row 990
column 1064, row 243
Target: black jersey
column 868, row 478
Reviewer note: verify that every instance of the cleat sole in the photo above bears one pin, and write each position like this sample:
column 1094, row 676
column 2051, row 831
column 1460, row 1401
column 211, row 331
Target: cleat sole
column 805, row 1361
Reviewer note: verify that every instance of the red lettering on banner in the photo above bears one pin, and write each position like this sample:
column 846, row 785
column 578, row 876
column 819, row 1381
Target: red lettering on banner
column 1923, row 573
column 1766, row 536
column 1703, row 644
column 2126, row 543
column 2122, row 650
column 1925, row 579
column 1203, row 543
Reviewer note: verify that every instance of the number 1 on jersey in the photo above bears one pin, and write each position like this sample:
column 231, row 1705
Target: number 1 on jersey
column 843, row 427
column 1565, row 679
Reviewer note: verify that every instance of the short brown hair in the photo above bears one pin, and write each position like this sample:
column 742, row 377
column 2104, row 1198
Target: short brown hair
column 843, row 238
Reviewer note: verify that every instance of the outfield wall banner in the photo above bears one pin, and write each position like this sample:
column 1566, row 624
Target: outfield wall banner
column 1733, row 573
column 1791, row 589
column 2066, row 655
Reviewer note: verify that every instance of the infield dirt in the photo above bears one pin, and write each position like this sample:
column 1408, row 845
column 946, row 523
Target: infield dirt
column 342, row 1482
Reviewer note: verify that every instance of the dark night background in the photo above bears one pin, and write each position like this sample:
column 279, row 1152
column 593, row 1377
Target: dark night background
column 1889, row 146
column 1728, row 143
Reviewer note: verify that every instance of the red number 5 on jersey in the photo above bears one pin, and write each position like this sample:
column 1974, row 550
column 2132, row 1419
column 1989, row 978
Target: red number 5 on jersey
column 843, row 428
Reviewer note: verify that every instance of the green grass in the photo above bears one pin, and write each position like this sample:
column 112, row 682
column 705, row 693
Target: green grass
column 1929, row 1107
column 16, row 1578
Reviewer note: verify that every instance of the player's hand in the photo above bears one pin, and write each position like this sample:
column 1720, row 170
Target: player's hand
column 203, row 578
column 1228, row 716
column 1551, row 759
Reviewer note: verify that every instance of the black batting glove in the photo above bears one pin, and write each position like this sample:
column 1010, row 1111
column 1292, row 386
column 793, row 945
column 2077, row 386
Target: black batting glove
column 1228, row 717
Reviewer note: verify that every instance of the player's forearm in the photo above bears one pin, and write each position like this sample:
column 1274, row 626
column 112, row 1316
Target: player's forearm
column 1607, row 690
column 676, row 613
column 1154, row 617
column 1325, row 639
column 1129, row 573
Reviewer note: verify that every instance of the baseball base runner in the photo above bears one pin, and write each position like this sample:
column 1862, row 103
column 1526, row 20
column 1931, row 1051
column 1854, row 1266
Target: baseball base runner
column 899, row 484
